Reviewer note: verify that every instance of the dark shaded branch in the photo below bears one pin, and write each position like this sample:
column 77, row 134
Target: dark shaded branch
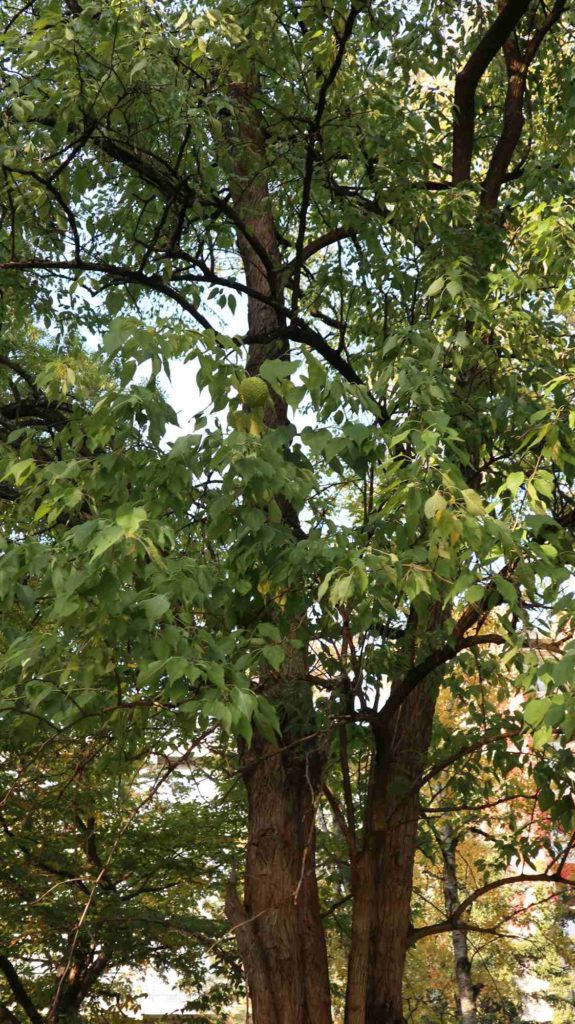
column 339, row 818
column 470, row 748
column 19, row 370
column 19, row 992
column 473, row 615
column 513, row 117
column 58, row 197
column 8, row 493
column 171, row 187
column 436, row 659
column 549, row 21
column 304, row 335
column 307, row 336
column 337, row 235
column 313, row 138
column 6, row 1015
column 150, row 281
column 468, row 79
column 345, row 778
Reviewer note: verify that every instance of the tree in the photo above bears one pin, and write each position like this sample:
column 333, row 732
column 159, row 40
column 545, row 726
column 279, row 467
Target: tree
column 103, row 875
column 388, row 192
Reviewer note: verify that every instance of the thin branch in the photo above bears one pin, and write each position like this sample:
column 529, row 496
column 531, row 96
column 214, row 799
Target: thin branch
column 313, row 138
column 463, row 752
column 150, row 281
column 339, row 817
column 346, row 781
column 555, row 878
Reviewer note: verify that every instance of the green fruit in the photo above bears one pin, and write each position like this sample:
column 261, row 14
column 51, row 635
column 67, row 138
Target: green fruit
column 254, row 392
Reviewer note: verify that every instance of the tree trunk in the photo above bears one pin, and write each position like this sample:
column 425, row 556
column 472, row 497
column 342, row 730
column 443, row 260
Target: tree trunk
column 279, row 929
column 399, row 761
column 359, row 954
column 466, row 993
column 79, row 979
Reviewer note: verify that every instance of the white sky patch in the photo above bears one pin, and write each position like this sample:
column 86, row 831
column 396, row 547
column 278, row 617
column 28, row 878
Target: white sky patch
column 161, row 995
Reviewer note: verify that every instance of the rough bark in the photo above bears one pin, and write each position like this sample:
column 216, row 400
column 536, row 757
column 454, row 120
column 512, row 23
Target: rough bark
column 468, row 79
column 400, row 756
column 359, row 953
column 382, row 875
column 79, row 980
column 466, row 992
column 278, row 926
column 279, row 930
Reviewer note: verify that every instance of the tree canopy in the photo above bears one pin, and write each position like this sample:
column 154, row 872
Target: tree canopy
column 340, row 589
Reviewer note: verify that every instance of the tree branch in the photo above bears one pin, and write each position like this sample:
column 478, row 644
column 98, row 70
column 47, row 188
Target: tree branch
column 468, row 79
column 454, row 920
column 309, row 162
column 6, row 1015
column 19, row 992
column 340, row 819
column 337, row 235
column 513, row 117
column 126, row 274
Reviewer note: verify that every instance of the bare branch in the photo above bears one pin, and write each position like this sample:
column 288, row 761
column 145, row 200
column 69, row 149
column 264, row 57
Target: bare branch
column 555, row 878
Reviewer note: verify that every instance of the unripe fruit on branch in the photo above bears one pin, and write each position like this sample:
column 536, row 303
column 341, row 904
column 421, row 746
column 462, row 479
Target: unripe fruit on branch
column 254, row 392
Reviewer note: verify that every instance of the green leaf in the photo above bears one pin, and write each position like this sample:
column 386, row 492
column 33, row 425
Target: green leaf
column 535, row 710
column 274, row 655
column 513, row 482
column 325, row 585
column 473, row 502
column 105, row 539
column 267, row 722
column 342, row 590
column 507, row 591
column 20, row 471
column 215, row 672
column 131, row 520
column 273, row 370
column 155, row 607
column 269, row 631
column 216, row 709
column 436, row 503
column 454, row 288
column 546, row 799
column 435, row 288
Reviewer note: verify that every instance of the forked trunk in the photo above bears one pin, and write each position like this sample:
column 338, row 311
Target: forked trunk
column 278, row 927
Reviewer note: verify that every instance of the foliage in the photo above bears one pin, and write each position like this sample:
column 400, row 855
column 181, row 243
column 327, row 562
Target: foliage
column 409, row 529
